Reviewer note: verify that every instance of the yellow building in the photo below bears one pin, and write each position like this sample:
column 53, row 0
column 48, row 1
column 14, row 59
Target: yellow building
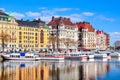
column 26, row 35
column 43, row 37
column 8, row 25
column 32, row 34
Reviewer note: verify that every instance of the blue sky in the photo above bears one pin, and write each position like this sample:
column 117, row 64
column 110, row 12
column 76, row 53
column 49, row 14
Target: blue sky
column 102, row 14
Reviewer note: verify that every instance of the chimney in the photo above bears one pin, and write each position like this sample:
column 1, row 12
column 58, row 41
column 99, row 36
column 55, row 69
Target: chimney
column 69, row 19
column 52, row 17
column 21, row 19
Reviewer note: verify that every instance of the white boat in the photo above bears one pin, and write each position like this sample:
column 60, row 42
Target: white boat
column 73, row 56
column 20, row 56
column 89, row 55
column 100, row 55
column 50, row 57
column 115, row 54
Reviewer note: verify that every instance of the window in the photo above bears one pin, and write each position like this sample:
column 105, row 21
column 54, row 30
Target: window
column 35, row 38
column 35, row 34
column 41, row 36
column 20, row 33
column 41, row 45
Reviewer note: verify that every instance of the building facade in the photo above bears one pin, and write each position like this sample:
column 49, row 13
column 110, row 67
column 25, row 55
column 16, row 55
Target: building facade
column 90, row 38
column 87, row 35
column 32, row 34
column 9, row 26
column 29, row 35
column 101, row 40
column 65, row 30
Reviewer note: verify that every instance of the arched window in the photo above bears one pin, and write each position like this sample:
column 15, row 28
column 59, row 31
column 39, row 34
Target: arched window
column 41, row 36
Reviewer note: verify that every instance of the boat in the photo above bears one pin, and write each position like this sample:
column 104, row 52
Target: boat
column 90, row 55
column 100, row 55
column 73, row 56
column 115, row 54
column 50, row 57
column 20, row 56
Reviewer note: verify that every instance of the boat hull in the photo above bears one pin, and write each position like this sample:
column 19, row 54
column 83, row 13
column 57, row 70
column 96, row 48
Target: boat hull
column 9, row 58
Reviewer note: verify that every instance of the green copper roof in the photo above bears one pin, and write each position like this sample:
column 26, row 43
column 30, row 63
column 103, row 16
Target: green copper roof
column 10, row 16
column 46, row 27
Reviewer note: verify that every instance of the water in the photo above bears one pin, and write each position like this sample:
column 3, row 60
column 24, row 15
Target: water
column 98, row 69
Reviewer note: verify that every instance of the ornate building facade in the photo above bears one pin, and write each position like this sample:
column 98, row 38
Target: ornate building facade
column 90, row 38
column 35, row 34
column 65, row 30
column 32, row 34
column 87, row 35
column 24, row 34
column 10, row 26
column 101, row 40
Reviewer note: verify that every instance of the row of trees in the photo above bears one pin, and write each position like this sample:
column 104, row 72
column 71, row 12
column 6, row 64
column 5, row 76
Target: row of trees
column 67, row 41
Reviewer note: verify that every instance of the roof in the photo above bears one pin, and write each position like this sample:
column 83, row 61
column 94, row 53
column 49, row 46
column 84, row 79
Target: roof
column 34, row 23
column 27, row 23
column 85, row 25
column 3, row 14
column 100, row 32
column 46, row 27
column 41, row 23
column 60, row 20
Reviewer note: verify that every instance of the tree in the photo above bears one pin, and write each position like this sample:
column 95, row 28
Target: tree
column 67, row 42
column 4, row 37
column 53, row 40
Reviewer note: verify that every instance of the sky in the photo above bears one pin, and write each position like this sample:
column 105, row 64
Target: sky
column 102, row 14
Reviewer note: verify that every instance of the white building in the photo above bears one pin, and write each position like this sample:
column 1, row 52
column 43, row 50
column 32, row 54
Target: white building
column 90, row 38
column 101, row 40
column 66, row 31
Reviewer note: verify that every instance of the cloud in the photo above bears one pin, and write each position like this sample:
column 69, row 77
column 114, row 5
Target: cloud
column 33, row 14
column 62, row 9
column 76, row 17
column 18, row 15
column 3, row 9
column 46, row 14
column 114, row 36
column 46, row 11
column 88, row 13
column 46, row 18
column 106, row 18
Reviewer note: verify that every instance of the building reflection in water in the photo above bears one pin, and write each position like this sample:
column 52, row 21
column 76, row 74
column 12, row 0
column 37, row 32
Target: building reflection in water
column 17, row 70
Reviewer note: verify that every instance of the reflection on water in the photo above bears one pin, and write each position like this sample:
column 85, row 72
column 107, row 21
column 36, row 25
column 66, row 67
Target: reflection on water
column 55, row 70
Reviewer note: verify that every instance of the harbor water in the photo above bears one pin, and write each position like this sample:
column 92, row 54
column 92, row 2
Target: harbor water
column 92, row 69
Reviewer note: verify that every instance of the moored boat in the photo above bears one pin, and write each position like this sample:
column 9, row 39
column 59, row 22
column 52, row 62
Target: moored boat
column 20, row 56
column 50, row 57
column 100, row 55
column 115, row 54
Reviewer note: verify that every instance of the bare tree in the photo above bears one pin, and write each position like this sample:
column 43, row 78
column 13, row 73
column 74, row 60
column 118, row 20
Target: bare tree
column 4, row 37
column 52, row 40
column 67, row 42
